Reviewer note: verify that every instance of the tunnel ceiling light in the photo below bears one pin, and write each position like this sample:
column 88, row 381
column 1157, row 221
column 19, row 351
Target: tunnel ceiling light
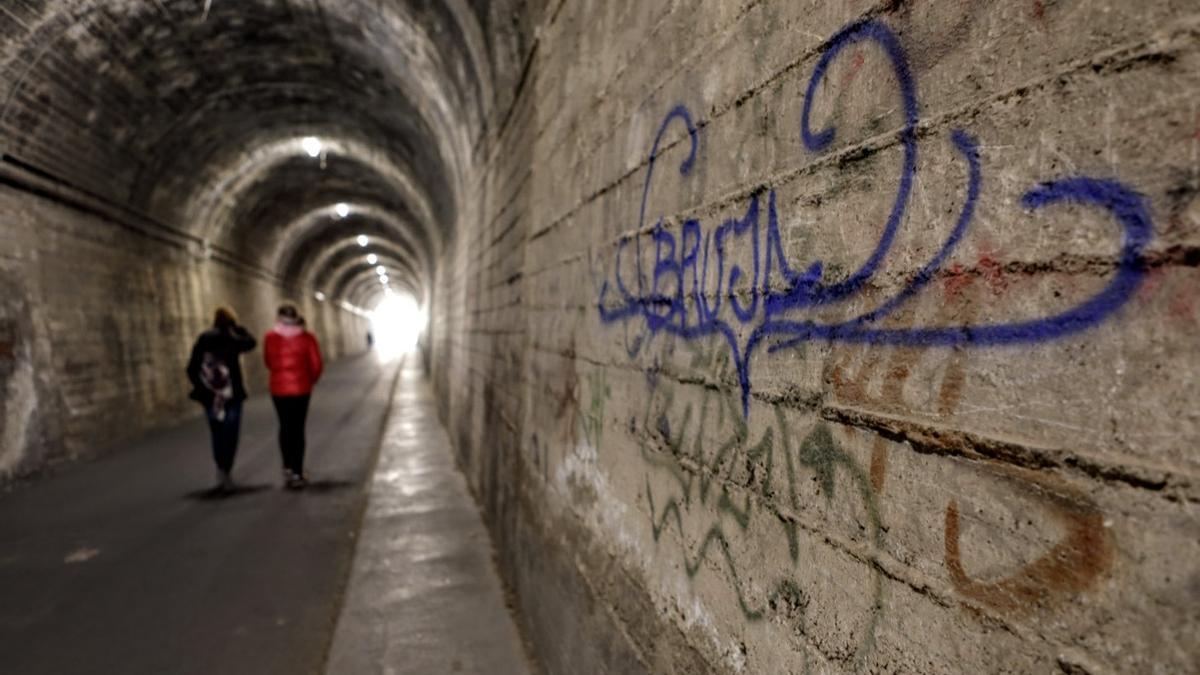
column 320, row 296
column 372, row 259
column 362, row 240
column 381, row 270
column 383, row 279
column 342, row 210
column 312, row 145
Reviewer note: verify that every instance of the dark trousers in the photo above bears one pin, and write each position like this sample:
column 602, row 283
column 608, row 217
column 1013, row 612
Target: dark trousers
column 292, row 411
column 225, row 434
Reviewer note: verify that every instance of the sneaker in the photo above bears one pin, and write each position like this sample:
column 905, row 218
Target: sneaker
column 296, row 482
column 224, row 481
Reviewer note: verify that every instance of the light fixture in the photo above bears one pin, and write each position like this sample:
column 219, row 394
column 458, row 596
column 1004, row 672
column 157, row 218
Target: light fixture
column 381, row 270
column 312, row 145
column 320, row 296
column 383, row 279
column 342, row 210
column 362, row 240
column 372, row 259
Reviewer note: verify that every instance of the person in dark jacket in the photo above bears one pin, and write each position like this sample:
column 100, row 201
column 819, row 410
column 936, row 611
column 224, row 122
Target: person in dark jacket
column 294, row 359
column 215, row 371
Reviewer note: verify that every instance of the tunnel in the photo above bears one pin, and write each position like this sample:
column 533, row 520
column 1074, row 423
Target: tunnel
column 556, row 336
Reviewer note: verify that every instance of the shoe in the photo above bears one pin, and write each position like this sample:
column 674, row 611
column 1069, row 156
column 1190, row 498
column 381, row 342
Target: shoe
column 224, row 482
column 296, row 482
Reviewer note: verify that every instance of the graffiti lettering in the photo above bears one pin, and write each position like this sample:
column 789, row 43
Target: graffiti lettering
column 685, row 292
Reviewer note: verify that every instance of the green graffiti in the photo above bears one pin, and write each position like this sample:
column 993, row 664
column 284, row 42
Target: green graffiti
column 593, row 420
column 705, row 446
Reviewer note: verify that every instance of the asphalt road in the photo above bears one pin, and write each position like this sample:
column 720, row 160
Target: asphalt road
column 128, row 564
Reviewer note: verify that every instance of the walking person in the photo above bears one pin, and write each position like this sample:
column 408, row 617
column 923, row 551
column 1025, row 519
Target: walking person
column 294, row 359
column 215, row 371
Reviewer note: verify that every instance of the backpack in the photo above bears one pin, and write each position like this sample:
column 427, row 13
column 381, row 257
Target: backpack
column 214, row 374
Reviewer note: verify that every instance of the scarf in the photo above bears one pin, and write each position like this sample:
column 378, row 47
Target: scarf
column 288, row 330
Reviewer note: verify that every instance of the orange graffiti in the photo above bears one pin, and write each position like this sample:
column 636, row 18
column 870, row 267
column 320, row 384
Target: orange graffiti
column 1073, row 565
column 903, row 360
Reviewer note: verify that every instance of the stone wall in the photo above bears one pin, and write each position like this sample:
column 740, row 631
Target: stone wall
column 788, row 337
column 98, row 319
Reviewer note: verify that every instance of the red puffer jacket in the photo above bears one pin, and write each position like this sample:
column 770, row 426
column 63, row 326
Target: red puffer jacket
column 294, row 359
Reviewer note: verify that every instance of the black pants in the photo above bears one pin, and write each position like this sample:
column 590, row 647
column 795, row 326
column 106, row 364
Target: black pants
column 225, row 434
column 292, row 411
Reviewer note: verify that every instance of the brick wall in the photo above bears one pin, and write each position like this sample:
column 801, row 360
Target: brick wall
column 786, row 337
column 774, row 337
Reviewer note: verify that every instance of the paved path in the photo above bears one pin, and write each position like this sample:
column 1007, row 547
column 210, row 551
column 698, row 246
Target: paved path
column 126, row 565
column 424, row 596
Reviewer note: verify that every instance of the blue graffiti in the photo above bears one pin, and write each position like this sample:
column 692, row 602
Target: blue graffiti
column 760, row 306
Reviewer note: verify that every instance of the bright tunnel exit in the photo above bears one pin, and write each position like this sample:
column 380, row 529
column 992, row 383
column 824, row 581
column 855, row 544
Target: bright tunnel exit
column 397, row 322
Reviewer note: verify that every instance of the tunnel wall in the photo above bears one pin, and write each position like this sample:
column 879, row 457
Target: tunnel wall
column 98, row 320
column 902, row 380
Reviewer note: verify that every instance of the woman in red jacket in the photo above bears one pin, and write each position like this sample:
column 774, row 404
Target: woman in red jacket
column 294, row 359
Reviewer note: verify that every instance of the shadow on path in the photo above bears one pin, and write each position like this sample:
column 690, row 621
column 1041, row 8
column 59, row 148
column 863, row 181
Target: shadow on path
column 218, row 494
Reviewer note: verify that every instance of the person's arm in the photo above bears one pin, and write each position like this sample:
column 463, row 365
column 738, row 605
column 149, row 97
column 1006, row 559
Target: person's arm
column 193, row 367
column 243, row 341
column 315, row 366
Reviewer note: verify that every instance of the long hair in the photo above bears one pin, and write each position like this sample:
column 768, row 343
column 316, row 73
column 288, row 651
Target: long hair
column 224, row 318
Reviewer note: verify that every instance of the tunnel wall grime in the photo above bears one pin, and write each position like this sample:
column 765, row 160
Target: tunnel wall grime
column 98, row 322
column 791, row 337
column 155, row 161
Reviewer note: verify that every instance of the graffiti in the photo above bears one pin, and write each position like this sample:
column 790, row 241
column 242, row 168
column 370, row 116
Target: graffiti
column 1071, row 566
column 903, row 360
column 689, row 293
column 593, row 419
column 852, row 387
column 565, row 401
column 734, row 498
column 710, row 474
column 705, row 451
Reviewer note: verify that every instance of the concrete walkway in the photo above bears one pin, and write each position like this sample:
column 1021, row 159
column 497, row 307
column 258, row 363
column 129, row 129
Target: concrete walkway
column 424, row 596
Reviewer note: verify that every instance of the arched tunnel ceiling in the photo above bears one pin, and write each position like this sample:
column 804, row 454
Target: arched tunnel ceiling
column 195, row 112
column 394, row 261
column 360, row 285
column 322, row 234
column 339, row 276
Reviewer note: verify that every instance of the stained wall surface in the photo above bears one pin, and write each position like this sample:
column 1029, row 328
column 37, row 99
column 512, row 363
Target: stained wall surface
column 772, row 337
column 832, row 337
